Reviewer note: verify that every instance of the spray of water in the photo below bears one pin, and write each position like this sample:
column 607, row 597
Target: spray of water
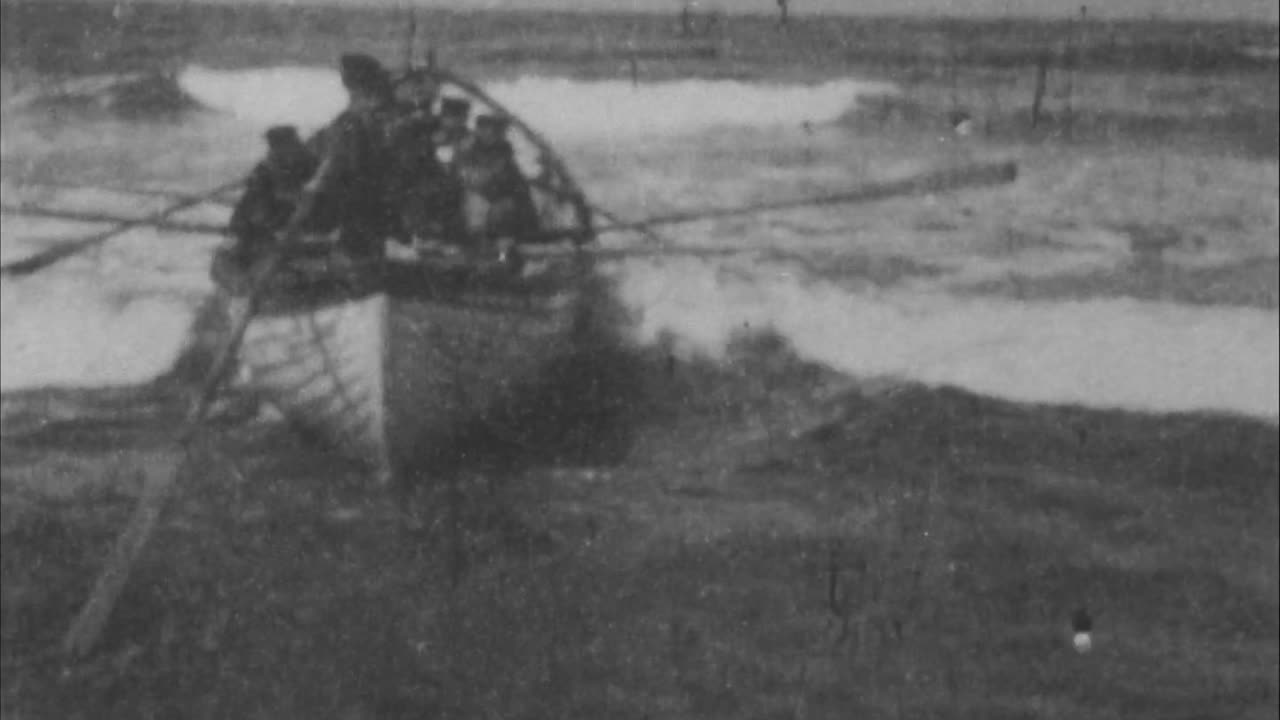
column 1113, row 353
column 120, row 316
column 566, row 110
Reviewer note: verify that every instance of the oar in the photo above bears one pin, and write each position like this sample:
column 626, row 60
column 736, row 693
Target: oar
column 933, row 182
column 44, row 259
column 89, row 623
column 612, row 217
column 173, row 195
column 92, row 217
column 937, row 181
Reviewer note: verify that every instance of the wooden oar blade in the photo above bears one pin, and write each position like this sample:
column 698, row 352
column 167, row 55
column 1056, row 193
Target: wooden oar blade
column 44, row 188
column 950, row 179
column 42, row 260
column 201, row 228
column 53, row 255
column 159, row 480
column 159, row 475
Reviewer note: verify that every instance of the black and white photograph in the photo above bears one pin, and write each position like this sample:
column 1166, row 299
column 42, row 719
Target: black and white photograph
column 639, row 359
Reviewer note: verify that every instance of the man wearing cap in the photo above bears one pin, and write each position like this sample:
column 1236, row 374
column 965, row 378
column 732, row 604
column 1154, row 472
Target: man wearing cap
column 451, row 131
column 497, row 202
column 356, row 164
column 417, row 90
column 271, row 193
column 426, row 193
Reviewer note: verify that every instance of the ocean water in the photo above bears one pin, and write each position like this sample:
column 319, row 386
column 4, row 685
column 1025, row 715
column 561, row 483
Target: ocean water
column 118, row 315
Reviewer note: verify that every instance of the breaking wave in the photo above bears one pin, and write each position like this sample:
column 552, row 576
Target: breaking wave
column 114, row 318
column 75, row 334
column 566, row 110
column 131, row 96
column 120, row 315
column 1112, row 353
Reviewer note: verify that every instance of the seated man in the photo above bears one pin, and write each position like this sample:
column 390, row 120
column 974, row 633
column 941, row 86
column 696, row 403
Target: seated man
column 416, row 90
column 451, row 129
column 271, row 193
column 427, row 195
column 497, row 203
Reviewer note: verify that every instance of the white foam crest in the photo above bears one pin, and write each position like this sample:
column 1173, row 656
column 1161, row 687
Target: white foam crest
column 113, row 316
column 73, row 334
column 303, row 96
column 1099, row 353
column 568, row 109
column 564, row 109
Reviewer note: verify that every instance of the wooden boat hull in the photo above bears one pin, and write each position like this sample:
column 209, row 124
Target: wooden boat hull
column 390, row 360
column 385, row 376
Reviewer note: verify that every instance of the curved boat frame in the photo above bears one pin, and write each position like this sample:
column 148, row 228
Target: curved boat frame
column 385, row 362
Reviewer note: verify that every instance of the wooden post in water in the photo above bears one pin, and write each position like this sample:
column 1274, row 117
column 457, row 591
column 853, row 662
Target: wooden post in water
column 1071, row 59
column 1042, row 79
column 410, row 34
column 632, row 64
column 953, row 70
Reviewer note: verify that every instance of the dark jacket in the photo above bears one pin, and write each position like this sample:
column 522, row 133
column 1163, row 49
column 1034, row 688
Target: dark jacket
column 490, row 173
column 427, row 194
column 355, row 177
column 270, row 196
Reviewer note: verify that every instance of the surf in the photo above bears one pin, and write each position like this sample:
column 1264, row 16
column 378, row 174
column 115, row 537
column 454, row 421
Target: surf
column 1100, row 353
column 120, row 316
column 563, row 109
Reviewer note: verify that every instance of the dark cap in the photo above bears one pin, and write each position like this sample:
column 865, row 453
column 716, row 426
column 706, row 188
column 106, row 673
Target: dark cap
column 417, row 88
column 498, row 123
column 454, row 106
column 362, row 72
column 281, row 136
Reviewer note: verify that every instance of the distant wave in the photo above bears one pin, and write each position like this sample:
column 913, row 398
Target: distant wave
column 1109, row 353
column 127, row 95
column 564, row 109
column 124, row 319
column 121, row 316
column 1258, row 52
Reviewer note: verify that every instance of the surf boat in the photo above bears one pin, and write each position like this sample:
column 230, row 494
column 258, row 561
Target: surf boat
column 384, row 360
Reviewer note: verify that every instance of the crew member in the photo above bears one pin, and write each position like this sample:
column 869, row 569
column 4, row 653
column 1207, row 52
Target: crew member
column 427, row 194
column 271, row 193
column 356, row 168
column 451, row 132
column 497, row 203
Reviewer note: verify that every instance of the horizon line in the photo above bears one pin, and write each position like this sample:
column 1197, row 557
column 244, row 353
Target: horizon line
column 1174, row 11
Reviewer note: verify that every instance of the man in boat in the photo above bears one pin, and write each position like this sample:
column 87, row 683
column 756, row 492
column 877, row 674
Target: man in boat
column 271, row 193
column 451, row 131
column 497, row 203
column 427, row 194
column 417, row 90
column 356, row 168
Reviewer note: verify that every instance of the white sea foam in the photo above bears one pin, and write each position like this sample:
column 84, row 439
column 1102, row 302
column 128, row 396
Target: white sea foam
column 119, row 314
column 78, row 332
column 303, row 96
column 1113, row 353
column 566, row 110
